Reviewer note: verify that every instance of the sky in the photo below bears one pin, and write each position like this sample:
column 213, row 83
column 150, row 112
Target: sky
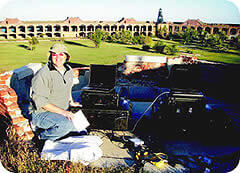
column 208, row 11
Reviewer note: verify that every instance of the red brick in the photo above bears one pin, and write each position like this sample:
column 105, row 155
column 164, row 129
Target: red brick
column 11, row 92
column 17, row 120
column 2, row 106
column 12, row 113
column 2, row 82
column 3, row 87
column 3, row 92
column 29, row 135
column 13, row 99
column 5, row 77
column 13, row 106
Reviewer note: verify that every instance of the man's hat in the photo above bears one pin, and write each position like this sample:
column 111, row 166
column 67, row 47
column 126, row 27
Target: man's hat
column 59, row 48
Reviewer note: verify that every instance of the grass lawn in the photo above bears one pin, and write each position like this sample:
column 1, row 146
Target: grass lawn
column 15, row 54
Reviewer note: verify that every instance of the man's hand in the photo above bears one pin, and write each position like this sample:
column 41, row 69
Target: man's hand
column 68, row 115
column 75, row 104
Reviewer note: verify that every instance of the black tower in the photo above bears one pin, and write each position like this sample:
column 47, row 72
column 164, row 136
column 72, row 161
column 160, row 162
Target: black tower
column 160, row 16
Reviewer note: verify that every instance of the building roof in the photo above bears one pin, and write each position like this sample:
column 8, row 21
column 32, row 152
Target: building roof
column 9, row 21
column 127, row 21
column 73, row 20
column 193, row 22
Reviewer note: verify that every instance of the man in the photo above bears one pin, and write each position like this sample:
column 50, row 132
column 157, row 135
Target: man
column 51, row 95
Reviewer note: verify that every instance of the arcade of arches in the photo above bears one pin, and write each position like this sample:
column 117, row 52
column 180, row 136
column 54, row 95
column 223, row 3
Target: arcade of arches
column 71, row 27
column 76, row 28
column 231, row 30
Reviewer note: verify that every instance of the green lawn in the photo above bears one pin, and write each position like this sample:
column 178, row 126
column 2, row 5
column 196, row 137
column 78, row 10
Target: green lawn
column 15, row 54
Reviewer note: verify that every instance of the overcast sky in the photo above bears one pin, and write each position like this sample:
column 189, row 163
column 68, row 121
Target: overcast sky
column 209, row 11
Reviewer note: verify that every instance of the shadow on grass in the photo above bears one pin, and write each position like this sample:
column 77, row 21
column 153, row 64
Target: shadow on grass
column 24, row 46
column 216, row 51
column 139, row 49
column 77, row 44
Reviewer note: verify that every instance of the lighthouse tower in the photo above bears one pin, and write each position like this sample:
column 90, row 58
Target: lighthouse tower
column 160, row 17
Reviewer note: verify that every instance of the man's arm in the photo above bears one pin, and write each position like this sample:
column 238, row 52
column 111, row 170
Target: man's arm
column 52, row 108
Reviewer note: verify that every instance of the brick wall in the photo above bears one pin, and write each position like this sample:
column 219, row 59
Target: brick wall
column 13, row 87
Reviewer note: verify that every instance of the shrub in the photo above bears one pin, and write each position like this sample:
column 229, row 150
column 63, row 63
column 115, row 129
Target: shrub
column 146, row 47
column 147, row 40
column 159, row 46
column 170, row 50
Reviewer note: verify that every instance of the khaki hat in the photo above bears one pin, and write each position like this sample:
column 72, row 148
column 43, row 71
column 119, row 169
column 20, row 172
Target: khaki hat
column 59, row 48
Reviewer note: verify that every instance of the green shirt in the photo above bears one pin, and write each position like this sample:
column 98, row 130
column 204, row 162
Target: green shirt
column 50, row 86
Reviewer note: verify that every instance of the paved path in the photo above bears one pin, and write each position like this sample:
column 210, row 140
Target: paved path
column 114, row 154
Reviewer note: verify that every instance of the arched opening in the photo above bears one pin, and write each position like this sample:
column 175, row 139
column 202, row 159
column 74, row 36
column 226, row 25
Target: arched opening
column 49, row 35
column 89, row 34
column 57, row 35
column 40, row 28
column 98, row 27
column 3, row 36
column 106, row 28
column 48, row 28
column 90, row 28
column 30, row 35
column 82, row 34
column 65, row 28
column 30, row 28
column 12, row 29
column 22, row 36
column 114, row 28
column 225, row 30
column 40, row 35
column 136, row 28
column 199, row 29
column 184, row 28
column 82, row 28
column 121, row 27
column 3, row 29
column 143, row 33
column 136, row 34
column 150, row 28
column 143, row 28
column 129, row 27
column 208, row 29
column 170, row 29
column 233, row 31
column 12, row 36
column 74, row 28
column 57, row 28
column 113, row 33
column 21, row 28
column 176, row 28
column 215, row 30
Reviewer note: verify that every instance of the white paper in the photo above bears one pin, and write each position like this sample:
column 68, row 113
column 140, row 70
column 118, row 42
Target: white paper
column 80, row 121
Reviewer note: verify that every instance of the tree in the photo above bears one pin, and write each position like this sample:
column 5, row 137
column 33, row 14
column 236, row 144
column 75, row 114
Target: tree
column 164, row 32
column 97, row 38
column 32, row 42
column 125, row 36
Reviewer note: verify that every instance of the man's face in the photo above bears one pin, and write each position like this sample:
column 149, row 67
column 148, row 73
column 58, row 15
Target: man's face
column 59, row 59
